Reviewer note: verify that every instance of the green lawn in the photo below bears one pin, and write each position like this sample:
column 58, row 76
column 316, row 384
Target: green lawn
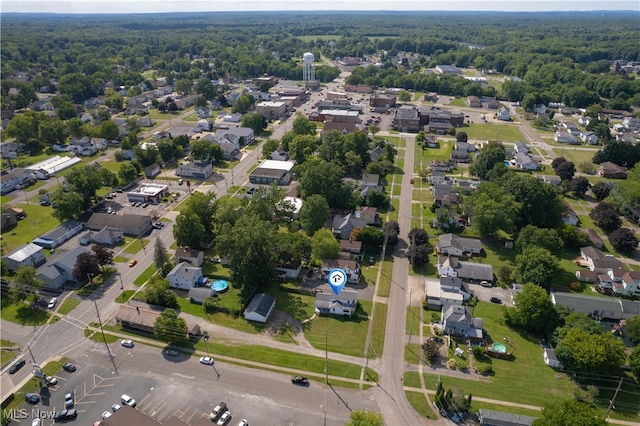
column 419, row 403
column 22, row 313
column 459, row 102
column 38, row 221
column 525, row 379
column 136, row 246
column 443, row 152
column 501, row 132
column 572, row 154
column 142, row 278
column 125, row 296
column 412, row 353
column 6, row 355
column 476, row 406
column 68, row 305
column 413, row 320
column 384, row 286
column 377, row 330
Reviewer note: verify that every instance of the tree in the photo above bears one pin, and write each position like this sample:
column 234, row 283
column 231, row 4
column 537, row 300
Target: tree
column 376, row 198
column 419, row 255
column 569, row 413
column 86, row 266
column 632, row 329
column 249, row 247
column 556, row 162
column 166, row 149
column 600, row 353
column 52, row 132
column 491, row 155
column 371, row 237
column 127, row 173
column 170, row 328
column 634, row 361
column 536, row 265
column 606, row 217
column 160, row 256
column 623, row 240
column 69, row 204
column 566, row 170
column 292, row 248
column 301, row 147
column 533, row 311
column 103, row 255
column 269, row 146
column 26, row 284
column 493, row 209
column 188, row 231
column 109, row 130
column 324, row 245
column 540, row 204
column 404, row 96
column 319, row 177
column 579, row 186
column 314, row 214
column 203, row 205
column 254, row 121
column 541, row 237
column 462, row 137
column 202, row 150
column 364, row 418
column 431, row 349
column 392, row 232
column 157, row 292
column 303, row 126
column 418, row 237
column 86, row 180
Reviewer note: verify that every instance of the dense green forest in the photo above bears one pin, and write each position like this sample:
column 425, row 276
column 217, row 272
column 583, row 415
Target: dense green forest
column 563, row 57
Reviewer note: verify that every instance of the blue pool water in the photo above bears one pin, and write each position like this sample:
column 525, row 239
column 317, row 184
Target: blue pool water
column 220, row 285
column 499, row 347
column 508, row 164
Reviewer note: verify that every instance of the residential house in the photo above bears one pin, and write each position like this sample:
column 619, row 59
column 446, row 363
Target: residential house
column 523, row 161
column 598, row 262
column 288, row 270
column 27, row 255
column 345, row 303
column 342, row 226
column 374, row 154
column 474, row 102
column 550, row 179
column 460, row 156
column 443, row 195
column 191, row 256
column 550, row 358
column 589, row 138
column 499, row 418
column 569, row 127
column 629, row 285
column 436, row 296
column 437, row 177
column 59, row 269
column 260, row 308
column 455, row 245
column 586, row 276
column 503, row 114
column 370, row 179
column 458, row 321
column 15, row 179
column 521, row 147
column 612, row 170
column 570, row 217
column 152, row 171
column 9, row 219
column 369, row 214
column 599, row 308
column 565, row 137
column 350, row 267
column 108, row 236
column 184, row 276
column 196, row 170
column 139, row 318
column 585, row 121
column 539, row 109
column 350, row 249
column 631, row 123
column 241, row 136
column 450, row 266
column 131, row 224
column 59, row 235
column 6, row 148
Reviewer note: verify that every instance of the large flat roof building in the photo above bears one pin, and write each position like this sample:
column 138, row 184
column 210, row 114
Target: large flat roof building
column 270, row 171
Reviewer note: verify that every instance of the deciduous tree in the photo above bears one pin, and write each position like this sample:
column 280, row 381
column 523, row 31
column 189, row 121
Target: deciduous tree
column 623, row 240
column 86, row 265
column 170, row 328
column 569, row 413
column 324, row 245
column 188, row 231
column 632, row 329
column 364, row 418
column 533, row 311
column 103, row 255
column 26, row 284
column 606, row 216
column 579, row 186
column 158, row 293
column 160, row 256
column 536, row 265
column 69, row 204
column 314, row 213
column 541, row 237
column 600, row 353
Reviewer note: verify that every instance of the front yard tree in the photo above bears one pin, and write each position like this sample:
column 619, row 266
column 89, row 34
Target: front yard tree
column 569, row 413
column 418, row 237
column 536, row 265
column 201, row 150
column 632, row 329
column 566, row 170
column 160, row 256
column 533, row 312
column 86, row 265
column 85, row 180
column 303, row 126
column 419, row 255
column 623, row 240
column 103, row 255
column 314, row 214
column 166, row 149
column 600, row 353
column 26, row 283
column 157, row 292
column 431, row 349
column 170, row 328
column 203, row 205
column 606, row 217
column 254, row 121
column 292, row 248
column 371, row 237
column 579, row 186
column 248, row 246
column 392, row 232
column 634, row 361
column 188, row 231
column 69, row 204
column 324, row 245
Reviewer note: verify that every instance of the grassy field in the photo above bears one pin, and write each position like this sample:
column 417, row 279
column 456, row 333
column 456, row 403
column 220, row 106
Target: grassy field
column 412, row 353
column 22, row 313
column 575, row 156
column 419, row 403
column 6, row 355
column 501, row 132
column 459, row 102
column 384, row 286
column 37, row 222
column 424, row 156
column 524, row 379
column 377, row 330
column 68, row 305
column 142, row 278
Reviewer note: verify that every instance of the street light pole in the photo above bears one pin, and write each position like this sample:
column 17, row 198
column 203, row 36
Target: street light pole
column 205, row 337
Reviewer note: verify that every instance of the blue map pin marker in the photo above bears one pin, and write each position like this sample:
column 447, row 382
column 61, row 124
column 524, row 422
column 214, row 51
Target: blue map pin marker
column 337, row 279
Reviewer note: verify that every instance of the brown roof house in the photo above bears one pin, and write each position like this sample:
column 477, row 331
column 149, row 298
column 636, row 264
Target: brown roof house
column 137, row 318
column 612, row 170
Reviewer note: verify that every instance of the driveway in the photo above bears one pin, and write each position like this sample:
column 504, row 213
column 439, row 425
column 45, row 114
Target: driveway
column 486, row 293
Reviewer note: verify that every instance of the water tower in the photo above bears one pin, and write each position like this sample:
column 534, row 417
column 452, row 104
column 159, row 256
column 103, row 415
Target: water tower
column 308, row 72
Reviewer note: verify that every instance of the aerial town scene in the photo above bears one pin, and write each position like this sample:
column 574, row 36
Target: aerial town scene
column 359, row 214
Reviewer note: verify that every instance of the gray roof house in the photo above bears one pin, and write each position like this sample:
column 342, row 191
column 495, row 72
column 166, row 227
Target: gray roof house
column 130, row 224
column 27, row 255
column 343, row 304
column 450, row 266
column 457, row 320
column 455, row 245
column 499, row 418
column 523, row 161
column 59, row 235
column 59, row 270
column 260, row 308
column 193, row 256
column 343, row 225
column 108, row 236
column 598, row 307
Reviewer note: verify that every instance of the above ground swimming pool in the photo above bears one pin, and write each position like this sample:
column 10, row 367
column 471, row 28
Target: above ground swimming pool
column 220, row 286
column 499, row 347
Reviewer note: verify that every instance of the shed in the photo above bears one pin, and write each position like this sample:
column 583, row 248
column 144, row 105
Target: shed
column 198, row 294
column 550, row 358
column 260, row 307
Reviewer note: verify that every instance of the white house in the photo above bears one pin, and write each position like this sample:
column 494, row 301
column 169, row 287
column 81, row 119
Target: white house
column 449, row 266
column 184, row 276
column 630, row 284
column 108, row 236
column 589, row 137
column 14, row 179
column 350, row 267
column 343, row 304
column 195, row 170
column 584, row 121
column 503, row 114
column 521, row 147
column 260, row 308
column 549, row 356
column 455, row 245
column 28, row 255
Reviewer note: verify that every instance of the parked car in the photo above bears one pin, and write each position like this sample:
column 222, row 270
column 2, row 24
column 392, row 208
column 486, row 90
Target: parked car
column 180, row 181
column 106, row 414
column 65, row 415
column 485, row 284
column 243, row 422
column 115, row 407
column 217, row 411
column 251, row 190
column 224, row 418
column 51, row 381
column 127, row 343
column 68, row 400
column 145, row 205
column 302, row 381
column 206, row 360
column 36, row 422
column 436, row 339
column 17, row 366
column 31, row 398
column 171, row 352
column 52, row 303
column 68, row 367
column 126, row 399
column 496, row 300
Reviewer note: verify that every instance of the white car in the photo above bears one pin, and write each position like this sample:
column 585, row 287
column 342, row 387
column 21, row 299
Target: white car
column 116, row 407
column 52, row 303
column 126, row 399
column 127, row 343
column 243, row 422
column 224, row 418
column 206, row 360
column 36, row 422
column 106, row 414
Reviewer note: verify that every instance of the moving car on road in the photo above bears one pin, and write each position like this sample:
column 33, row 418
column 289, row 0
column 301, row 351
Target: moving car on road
column 206, row 360
column 127, row 343
column 302, row 381
column 17, row 366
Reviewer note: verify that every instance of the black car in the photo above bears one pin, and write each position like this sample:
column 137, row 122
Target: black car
column 32, row 398
column 68, row 367
column 302, row 381
column 65, row 415
column 17, row 366
column 495, row 300
column 436, row 339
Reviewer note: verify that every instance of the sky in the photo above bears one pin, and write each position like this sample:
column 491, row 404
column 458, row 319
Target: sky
column 161, row 6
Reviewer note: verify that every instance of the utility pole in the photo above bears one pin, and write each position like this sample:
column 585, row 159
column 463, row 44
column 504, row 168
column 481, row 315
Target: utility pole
column 31, row 353
column 606, row 414
column 326, row 375
column 104, row 339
